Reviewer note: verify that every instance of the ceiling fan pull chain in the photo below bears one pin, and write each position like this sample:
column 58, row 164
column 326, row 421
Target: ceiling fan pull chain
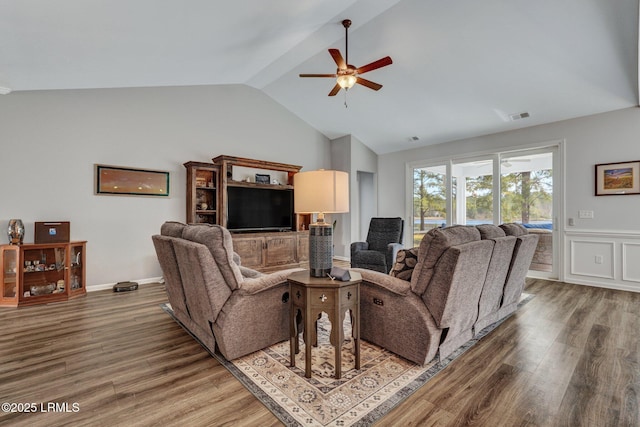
column 345, row 98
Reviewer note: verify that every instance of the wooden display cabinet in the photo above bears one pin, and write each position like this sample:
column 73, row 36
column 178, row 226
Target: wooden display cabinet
column 263, row 250
column 227, row 165
column 202, row 195
column 42, row 273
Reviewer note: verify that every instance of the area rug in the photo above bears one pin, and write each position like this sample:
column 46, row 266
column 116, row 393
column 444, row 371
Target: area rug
column 359, row 398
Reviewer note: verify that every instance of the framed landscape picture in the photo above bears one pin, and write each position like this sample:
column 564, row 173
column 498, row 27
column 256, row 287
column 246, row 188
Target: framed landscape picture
column 116, row 180
column 618, row 178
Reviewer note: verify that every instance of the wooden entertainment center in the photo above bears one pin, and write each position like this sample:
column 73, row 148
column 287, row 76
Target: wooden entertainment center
column 208, row 187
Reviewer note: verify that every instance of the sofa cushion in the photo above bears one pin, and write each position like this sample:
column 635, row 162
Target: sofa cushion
column 433, row 245
column 218, row 240
column 172, row 229
column 514, row 229
column 406, row 261
column 490, row 231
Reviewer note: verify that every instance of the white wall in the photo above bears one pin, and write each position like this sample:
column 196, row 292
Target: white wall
column 602, row 138
column 351, row 155
column 50, row 141
column 341, row 160
column 366, row 203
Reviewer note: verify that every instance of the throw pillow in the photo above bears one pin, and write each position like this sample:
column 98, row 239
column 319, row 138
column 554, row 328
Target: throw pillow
column 406, row 261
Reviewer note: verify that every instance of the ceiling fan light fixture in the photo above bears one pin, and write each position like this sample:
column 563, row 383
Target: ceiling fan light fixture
column 346, row 81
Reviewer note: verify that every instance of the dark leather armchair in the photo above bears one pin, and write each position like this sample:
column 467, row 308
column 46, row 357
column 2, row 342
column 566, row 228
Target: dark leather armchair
column 384, row 240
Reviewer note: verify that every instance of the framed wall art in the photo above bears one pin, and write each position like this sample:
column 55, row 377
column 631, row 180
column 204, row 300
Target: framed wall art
column 618, row 178
column 117, row 180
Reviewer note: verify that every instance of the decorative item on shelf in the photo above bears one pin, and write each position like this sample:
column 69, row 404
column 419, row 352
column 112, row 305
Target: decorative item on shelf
column 16, row 231
column 321, row 191
column 52, row 232
column 263, row 178
column 37, row 290
column 75, row 283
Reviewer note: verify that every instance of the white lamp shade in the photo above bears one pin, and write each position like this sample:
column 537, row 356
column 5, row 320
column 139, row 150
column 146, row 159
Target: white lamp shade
column 321, row 191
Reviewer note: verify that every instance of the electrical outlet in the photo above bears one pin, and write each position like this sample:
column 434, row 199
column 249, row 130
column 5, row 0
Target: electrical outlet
column 599, row 259
column 585, row 214
column 571, row 222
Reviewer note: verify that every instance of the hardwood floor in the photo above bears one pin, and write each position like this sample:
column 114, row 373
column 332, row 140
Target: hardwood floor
column 570, row 357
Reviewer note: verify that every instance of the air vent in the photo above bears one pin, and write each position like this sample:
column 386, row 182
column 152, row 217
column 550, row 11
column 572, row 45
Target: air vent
column 518, row 116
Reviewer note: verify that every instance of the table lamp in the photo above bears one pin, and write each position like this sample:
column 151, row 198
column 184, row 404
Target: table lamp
column 320, row 192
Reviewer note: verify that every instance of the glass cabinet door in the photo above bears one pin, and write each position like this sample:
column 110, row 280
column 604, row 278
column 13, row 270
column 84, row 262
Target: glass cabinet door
column 44, row 269
column 9, row 276
column 76, row 272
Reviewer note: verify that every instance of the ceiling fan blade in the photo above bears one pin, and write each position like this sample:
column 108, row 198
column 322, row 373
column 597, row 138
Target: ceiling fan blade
column 335, row 90
column 368, row 83
column 319, row 75
column 383, row 62
column 337, row 56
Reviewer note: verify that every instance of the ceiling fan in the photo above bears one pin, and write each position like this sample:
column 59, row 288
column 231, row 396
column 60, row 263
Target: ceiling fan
column 347, row 75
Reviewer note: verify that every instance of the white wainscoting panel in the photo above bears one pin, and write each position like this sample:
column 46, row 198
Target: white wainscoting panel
column 592, row 258
column 604, row 258
column 631, row 262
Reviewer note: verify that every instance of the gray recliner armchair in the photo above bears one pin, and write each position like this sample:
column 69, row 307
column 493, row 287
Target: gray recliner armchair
column 384, row 240
column 227, row 307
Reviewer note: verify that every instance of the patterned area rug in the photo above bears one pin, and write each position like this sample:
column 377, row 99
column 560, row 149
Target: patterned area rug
column 359, row 398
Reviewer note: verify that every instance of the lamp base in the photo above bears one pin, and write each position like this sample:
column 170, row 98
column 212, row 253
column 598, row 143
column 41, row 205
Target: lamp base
column 320, row 249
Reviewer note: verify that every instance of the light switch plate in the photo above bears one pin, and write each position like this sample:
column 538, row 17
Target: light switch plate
column 585, row 214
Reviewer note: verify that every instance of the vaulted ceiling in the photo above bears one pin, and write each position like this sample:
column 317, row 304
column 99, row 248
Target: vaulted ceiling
column 460, row 68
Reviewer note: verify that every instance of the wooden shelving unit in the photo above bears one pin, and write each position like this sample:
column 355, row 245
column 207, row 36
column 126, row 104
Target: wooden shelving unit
column 263, row 250
column 202, row 193
column 42, row 273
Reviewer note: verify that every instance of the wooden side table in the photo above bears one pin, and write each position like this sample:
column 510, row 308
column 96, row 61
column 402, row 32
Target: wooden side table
column 310, row 296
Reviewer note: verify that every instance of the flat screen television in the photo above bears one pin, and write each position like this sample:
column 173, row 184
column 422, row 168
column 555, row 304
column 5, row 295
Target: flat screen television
column 259, row 209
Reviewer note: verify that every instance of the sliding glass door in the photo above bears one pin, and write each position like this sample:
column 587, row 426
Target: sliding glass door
column 429, row 199
column 514, row 186
column 473, row 198
column 527, row 197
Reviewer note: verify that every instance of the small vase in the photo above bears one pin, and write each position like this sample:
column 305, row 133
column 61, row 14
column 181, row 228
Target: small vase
column 16, row 231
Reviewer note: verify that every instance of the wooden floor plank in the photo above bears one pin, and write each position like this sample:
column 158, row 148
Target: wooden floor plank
column 568, row 357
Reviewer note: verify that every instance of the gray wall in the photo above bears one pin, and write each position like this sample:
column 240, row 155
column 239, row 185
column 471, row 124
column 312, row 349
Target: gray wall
column 602, row 138
column 350, row 155
column 50, row 141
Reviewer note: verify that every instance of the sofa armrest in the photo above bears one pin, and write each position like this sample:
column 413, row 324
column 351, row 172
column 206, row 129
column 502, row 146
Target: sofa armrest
column 390, row 283
column 358, row 246
column 249, row 273
column 252, row 286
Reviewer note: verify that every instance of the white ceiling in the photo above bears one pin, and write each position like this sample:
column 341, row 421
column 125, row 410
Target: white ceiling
column 460, row 66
